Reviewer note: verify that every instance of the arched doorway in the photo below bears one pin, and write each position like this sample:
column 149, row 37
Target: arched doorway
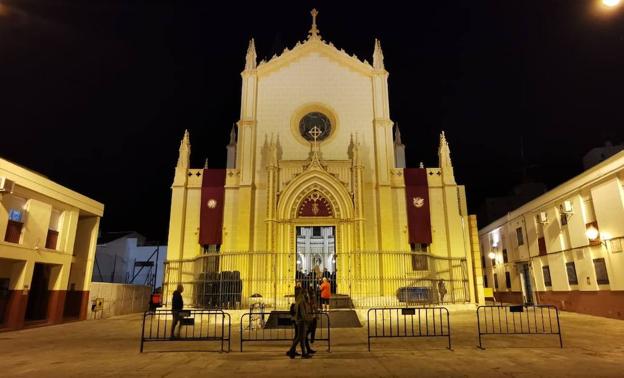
column 315, row 222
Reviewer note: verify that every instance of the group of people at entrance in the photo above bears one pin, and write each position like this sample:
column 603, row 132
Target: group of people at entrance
column 303, row 313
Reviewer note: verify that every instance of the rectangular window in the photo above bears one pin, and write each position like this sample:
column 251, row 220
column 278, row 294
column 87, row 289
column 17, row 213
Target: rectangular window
column 571, row 269
column 316, row 231
column 505, row 258
column 541, row 245
column 483, row 261
column 51, row 239
column 601, row 271
column 495, row 280
column 508, row 280
column 420, row 262
column 546, row 272
column 564, row 219
column 485, row 283
column 13, row 232
column 519, row 236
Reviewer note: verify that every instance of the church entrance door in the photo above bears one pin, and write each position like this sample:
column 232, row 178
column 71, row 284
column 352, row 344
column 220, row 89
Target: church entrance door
column 316, row 255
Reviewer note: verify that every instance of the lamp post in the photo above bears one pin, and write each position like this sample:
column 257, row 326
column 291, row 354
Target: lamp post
column 611, row 3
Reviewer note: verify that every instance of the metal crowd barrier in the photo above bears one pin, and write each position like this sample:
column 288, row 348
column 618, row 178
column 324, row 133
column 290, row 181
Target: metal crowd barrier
column 408, row 322
column 278, row 326
column 195, row 325
column 518, row 320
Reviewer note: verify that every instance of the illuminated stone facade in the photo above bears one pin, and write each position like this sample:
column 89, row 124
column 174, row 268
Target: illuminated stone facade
column 350, row 174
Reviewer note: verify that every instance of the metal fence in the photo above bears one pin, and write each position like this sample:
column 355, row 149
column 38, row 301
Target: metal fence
column 278, row 326
column 234, row 280
column 408, row 322
column 195, row 325
column 518, row 320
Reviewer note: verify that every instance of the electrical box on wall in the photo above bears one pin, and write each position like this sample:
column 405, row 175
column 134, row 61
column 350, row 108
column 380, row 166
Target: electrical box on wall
column 6, row 185
column 566, row 207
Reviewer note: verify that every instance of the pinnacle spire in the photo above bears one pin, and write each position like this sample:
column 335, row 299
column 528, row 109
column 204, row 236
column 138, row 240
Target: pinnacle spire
column 397, row 135
column 250, row 59
column 185, row 151
column 444, row 156
column 378, row 58
column 233, row 135
column 314, row 32
column 206, row 163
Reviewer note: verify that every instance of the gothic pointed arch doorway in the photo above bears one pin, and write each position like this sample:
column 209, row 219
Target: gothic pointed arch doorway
column 315, row 225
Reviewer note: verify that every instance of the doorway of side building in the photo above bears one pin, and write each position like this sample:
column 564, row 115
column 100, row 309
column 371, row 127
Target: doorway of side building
column 316, row 255
column 527, row 287
column 37, row 307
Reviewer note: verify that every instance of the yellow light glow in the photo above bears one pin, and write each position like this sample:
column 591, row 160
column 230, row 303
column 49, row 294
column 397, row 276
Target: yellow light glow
column 611, row 3
column 492, row 255
column 592, row 233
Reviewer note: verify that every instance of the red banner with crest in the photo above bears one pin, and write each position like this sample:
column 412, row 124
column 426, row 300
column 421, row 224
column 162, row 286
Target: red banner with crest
column 417, row 202
column 211, row 211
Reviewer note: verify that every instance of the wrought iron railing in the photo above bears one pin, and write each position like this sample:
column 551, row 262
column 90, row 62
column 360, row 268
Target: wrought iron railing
column 232, row 280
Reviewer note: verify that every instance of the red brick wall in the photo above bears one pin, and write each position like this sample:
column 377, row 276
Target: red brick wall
column 514, row 297
column 606, row 303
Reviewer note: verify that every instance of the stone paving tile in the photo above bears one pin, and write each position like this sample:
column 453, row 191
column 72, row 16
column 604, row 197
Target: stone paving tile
column 593, row 347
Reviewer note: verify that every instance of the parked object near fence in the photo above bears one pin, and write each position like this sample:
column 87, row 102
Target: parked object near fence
column 518, row 320
column 260, row 327
column 117, row 299
column 408, row 322
column 195, row 325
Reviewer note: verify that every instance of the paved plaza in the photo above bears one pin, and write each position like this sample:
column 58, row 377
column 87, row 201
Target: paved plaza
column 593, row 347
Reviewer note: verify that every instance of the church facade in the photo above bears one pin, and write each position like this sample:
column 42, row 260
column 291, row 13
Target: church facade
column 316, row 183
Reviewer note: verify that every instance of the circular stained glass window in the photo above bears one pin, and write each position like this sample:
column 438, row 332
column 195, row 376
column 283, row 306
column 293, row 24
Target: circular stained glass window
column 309, row 121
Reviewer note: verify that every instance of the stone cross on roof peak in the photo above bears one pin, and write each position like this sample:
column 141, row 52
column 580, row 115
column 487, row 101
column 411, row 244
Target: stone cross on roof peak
column 314, row 32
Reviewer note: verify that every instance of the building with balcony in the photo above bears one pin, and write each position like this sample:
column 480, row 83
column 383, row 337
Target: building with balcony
column 48, row 236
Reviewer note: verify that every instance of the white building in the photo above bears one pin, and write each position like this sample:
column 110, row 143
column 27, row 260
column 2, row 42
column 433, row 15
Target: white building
column 564, row 247
column 126, row 257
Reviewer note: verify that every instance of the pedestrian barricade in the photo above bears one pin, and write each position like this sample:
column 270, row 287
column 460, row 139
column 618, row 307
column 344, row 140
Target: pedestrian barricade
column 518, row 320
column 195, row 325
column 260, row 327
column 408, row 322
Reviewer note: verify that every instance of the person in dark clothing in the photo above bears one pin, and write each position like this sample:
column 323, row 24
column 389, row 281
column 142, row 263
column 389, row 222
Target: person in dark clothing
column 177, row 304
column 302, row 317
column 311, row 325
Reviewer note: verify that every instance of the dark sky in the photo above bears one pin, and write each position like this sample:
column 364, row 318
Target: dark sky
column 96, row 94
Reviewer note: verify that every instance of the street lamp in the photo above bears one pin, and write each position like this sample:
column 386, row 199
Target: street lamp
column 492, row 255
column 592, row 233
column 611, row 3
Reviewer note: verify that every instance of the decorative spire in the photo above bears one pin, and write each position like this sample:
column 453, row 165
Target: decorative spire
column 422, row 165
column 250, row 59
column 233, row 135
column 206, row 163
column 185, row 151
column 444, row 156
column 314, row 32
column 378, row 58
column 399, row 149
column 397, row 135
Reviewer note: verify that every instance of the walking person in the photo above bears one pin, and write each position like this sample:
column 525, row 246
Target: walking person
column 311, row 324
column 301, row 318
column 177, row 304
column 325, row 294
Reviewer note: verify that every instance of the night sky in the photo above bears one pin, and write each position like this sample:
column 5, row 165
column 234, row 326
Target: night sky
column 96, row 94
